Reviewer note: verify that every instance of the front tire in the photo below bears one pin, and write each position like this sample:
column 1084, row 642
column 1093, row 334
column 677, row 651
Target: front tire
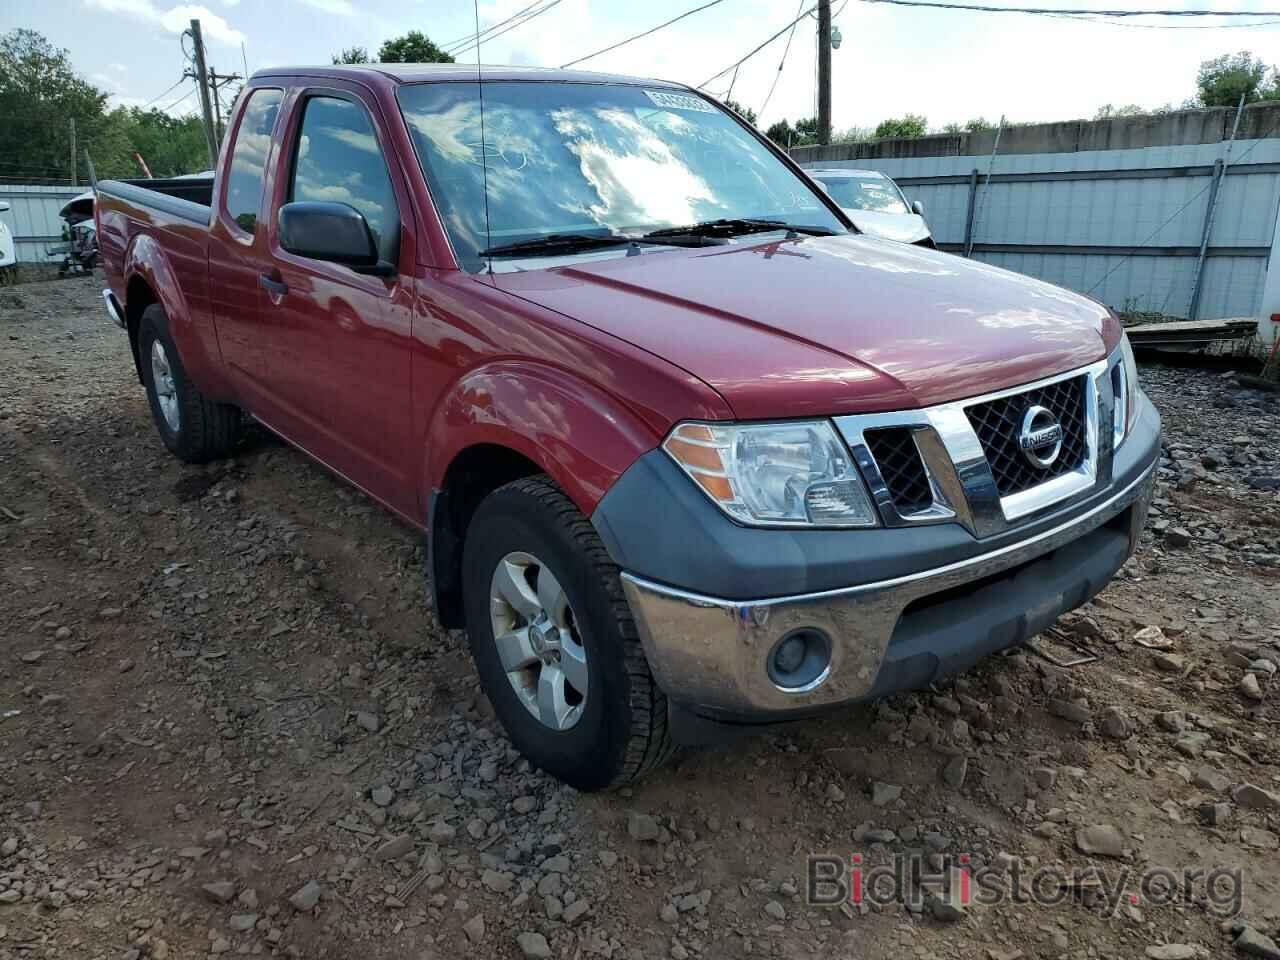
column 554, row 642
column 193, row 428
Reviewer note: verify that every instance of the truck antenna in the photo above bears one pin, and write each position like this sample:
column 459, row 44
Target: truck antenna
column 484, row 151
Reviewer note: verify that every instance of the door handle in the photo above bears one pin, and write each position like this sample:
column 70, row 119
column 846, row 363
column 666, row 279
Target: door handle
column 277, row 288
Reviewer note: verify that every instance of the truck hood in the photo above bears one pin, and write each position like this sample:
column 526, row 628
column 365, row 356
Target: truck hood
column 829, row 325
column 903, row 227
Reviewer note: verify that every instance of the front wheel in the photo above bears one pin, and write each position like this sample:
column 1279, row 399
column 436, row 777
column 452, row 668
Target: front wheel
column 554, row 642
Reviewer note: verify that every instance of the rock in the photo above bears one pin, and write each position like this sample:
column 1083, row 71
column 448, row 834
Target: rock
column 1259, row 838
column 1171, row 721
column 947, row 908
column 1256, row 944
column 12, row 895
column 1214, row 814
column 9, row 847
column 1172, row 951
column 395, row 848
column 775, row 910
column 557, row 864
column 1210, row 779
column 1255, row 798
column 947, row 705
column 1044, row 777
column 1192, row 744
column 575, row 911
column 441, row 832
column 533, row 945
column 1073, row 711
column 834, row 793
column 305, row 900
column 488, row 771
column 1249, row 687
column 382, row 796
column 1115, row 724
column 496, row 881
column 525, row 804
column 474, row 928
column 369, row 721
column 668, row 913
column 1100, row 840
column 954, row 770
column 1169, row 662
column 883, row 794
column 1177, row 537
column 220, row 892
column 241, row 922
column 641, row 826
column 1153, row 638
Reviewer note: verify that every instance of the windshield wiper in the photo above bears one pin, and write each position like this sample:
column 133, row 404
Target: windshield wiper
column 566, row 243
column 737, row 226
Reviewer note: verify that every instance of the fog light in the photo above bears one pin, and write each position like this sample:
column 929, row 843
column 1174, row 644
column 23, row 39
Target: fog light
column 800, row 661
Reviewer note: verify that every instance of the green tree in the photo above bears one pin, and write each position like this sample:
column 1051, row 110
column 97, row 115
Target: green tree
column 171, row 146
column 413, row 47
column 805, row 132
column 1111, row 112
column 911, row 125
column 351, row 55
column 1222, row 80
column 40, row 94
column 746, row 112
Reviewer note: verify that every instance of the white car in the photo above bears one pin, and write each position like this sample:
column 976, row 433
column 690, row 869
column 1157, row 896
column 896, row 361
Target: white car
column 875, row 204
column 8, row 254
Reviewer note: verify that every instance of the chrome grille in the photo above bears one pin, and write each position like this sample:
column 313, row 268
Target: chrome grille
column 997, row 423
column 898, row 458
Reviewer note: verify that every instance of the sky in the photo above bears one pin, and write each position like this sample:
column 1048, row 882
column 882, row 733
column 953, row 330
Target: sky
column 948, row 66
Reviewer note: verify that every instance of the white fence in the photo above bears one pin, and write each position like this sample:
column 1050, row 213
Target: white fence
column 1125, row 226
column 33, row 218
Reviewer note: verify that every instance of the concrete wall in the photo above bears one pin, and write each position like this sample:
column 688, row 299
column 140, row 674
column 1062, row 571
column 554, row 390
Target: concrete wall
column 33, row 218
column 1068, row 136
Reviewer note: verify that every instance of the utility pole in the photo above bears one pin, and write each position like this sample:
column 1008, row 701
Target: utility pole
column 217, row 80
column 824, row 72
column 73, row 151
column 202, row 79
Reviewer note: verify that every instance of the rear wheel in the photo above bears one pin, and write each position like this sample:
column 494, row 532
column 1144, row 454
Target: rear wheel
column 554, row 642
column 193, row 428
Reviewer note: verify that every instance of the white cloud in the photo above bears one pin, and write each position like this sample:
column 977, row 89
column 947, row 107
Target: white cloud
column 118, row 67
column 342, row 8
column 175, row 19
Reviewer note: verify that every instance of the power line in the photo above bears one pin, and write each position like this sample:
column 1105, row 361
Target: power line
column 1076, row 11
column 165, row 94
column 1167, row 26
column 755, row 50
column 494, row 36
column 781, row 63
column 639, row 36
column 471, row 37
column 185, row 96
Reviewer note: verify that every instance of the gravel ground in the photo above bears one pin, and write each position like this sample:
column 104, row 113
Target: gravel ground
column 229, row 726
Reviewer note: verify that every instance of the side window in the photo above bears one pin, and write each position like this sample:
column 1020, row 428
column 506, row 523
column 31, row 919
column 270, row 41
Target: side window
column 249, row 158
column 338, row 159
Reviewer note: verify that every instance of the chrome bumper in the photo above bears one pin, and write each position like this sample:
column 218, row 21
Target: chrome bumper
column 113, row 308
column 711, row 653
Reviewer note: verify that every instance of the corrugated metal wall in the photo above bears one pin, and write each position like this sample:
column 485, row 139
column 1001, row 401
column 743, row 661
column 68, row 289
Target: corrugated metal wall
column 33, row 218
column 1148, row 205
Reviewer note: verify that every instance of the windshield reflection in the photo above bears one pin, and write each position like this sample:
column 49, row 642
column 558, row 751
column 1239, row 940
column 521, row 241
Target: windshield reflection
column 583, row 158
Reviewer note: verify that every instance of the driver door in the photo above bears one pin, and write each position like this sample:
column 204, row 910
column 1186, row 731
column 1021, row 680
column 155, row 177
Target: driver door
column 338, row 341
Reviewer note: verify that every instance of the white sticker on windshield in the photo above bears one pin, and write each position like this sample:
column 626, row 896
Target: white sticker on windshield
column 679, row 101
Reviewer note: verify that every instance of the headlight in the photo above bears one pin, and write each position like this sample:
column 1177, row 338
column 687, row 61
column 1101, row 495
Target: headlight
column 1124, row 388
column 774, row 474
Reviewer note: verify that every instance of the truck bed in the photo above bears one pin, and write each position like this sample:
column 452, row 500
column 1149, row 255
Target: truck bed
column 186, row 198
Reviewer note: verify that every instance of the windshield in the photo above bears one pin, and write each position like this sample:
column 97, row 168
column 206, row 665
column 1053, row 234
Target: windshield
column 584, row 158
column 866, row 193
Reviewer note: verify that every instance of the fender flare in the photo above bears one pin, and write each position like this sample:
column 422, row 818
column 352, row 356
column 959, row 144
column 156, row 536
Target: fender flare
column 582, row 437
column 147, row 260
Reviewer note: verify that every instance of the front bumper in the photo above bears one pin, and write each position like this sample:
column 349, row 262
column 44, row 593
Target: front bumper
column 709, row 654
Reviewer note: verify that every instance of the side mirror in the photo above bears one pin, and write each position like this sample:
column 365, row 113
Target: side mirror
column 917, row 207
column 336, row 232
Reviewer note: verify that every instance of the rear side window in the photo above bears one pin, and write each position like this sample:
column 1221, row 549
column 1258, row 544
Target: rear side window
column 338, row 159
column 249, row 158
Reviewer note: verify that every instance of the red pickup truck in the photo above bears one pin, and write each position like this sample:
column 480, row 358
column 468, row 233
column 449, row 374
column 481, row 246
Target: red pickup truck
column 688, row 451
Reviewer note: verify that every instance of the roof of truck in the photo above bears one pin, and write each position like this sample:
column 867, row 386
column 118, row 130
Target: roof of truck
column 426, row 72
